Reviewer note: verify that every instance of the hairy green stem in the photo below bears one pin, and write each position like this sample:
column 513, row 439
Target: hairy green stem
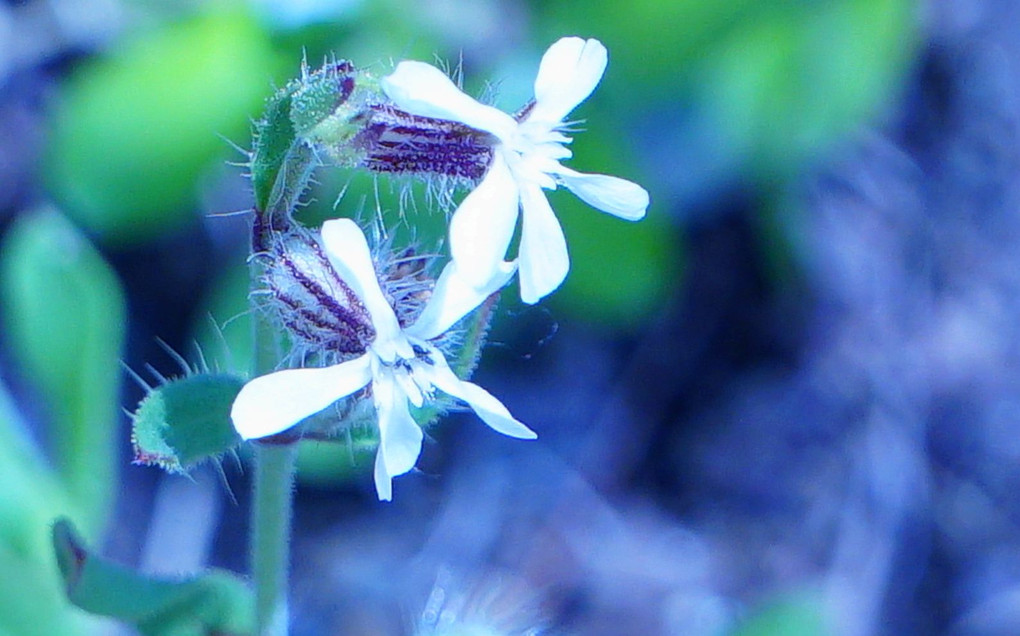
column 272, row 502
column 270, row 540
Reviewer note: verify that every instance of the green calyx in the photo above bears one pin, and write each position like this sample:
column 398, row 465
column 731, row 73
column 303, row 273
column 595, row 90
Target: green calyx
column 324, row 110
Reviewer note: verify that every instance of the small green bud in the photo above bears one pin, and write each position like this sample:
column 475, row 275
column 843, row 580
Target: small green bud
column 319, row 95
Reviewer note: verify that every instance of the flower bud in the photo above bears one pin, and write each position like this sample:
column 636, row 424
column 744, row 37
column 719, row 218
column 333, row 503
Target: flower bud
column 320, row 313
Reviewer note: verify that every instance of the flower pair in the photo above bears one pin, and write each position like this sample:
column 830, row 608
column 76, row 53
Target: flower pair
column 401, row 365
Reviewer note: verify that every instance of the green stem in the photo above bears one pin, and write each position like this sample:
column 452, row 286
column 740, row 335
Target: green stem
column 270, row 541
column 272, row 501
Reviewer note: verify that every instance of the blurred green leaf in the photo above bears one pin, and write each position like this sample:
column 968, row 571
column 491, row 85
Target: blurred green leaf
column 216, row 603
column 64, row 314
column 32, row 602
column 337, row 461
column 771, row 82
column 794, row 79
column 186, row 421
column 137, row 128
column 224, row 331
column 621, row 272
column 32, row 495
column 650, row 41
column 794, row 616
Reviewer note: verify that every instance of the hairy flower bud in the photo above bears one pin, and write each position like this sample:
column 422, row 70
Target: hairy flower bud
column 360, row 329
column 340, row 115
column 320, row 313
column 397, row 142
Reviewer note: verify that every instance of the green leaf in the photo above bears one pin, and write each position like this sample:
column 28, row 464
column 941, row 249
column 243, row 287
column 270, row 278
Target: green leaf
column 138, row 128
column 215, row 603
column 64, row 315
column 31, row 603
column 186, row 421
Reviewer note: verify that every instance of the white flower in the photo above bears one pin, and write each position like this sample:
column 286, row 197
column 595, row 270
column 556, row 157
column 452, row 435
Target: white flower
column 400, row 365
column 526, row 160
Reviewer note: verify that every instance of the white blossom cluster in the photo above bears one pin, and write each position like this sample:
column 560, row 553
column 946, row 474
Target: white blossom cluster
column 401, row 364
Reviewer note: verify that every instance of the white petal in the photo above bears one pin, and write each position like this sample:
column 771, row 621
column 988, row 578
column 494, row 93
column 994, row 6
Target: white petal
column 483, row 225
column 349, row 255
column 422, row 89
column 383, row 479
column 490, row 409
column 412, row 392
column 454, row 297
column 569, row 72
column 614, row 195
column 542, row 257
column 399, row 435
column 273, row 403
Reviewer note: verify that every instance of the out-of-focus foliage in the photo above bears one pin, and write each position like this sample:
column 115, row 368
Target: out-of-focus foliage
column 735, row 90
column 63, row 318
column 620, row 272
column 210, row 604
column 136, row 129
column 32, row 602
column 772, row 82
column 64, row 315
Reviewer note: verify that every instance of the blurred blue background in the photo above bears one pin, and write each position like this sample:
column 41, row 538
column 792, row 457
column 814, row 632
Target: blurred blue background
column 786, row 403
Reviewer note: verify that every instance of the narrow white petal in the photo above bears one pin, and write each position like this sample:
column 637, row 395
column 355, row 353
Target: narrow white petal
column 273, row 403
column 412, row 392
column 399, row 435
column 614, row 195
column 422, row 89
column 454, row 297
column 383, row 479
column 542, row 257
column 488, row 408
column 349, row 255
column 483, row 225
column 569, row 72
